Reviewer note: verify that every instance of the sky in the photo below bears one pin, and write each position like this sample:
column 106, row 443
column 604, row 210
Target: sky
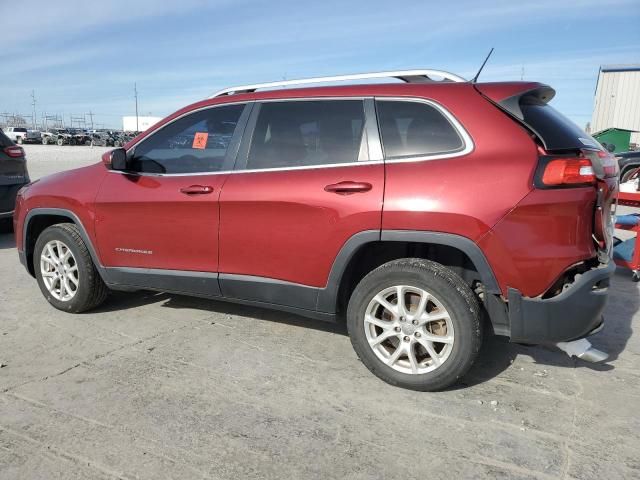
column 80, row 57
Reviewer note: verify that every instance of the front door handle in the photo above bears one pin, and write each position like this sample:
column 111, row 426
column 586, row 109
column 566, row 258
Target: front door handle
column 348, row 187
column 197, row 190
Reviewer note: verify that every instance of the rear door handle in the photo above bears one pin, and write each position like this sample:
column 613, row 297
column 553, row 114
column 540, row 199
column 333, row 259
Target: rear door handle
column 197, row 190
column 348, row 187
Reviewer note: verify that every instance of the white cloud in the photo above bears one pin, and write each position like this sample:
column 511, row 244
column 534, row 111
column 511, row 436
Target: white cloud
column 46, row 20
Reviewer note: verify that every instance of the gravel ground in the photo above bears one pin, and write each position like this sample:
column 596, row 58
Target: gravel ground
column 47, row 159
column 164, row 386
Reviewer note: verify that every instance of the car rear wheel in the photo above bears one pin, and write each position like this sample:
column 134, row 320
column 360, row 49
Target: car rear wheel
column 20, row 140
column 60, row 142
column 415, row 324
column 65, row 272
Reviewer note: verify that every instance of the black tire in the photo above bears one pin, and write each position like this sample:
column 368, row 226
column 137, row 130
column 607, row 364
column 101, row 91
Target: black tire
column 45, row 141
column 627, row 174
column 6, row 225
column 91, row 290
column 450, row 290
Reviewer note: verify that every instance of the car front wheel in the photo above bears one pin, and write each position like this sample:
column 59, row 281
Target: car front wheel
column 415, row 324
column 65, row 271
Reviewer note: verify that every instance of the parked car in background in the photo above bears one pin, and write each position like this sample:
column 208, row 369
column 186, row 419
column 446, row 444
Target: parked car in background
column 414, row 211
column 13, row 176
column 58, row 136
column 80, row 137
column 22, row 135
column 101, row 139
column 628, row 163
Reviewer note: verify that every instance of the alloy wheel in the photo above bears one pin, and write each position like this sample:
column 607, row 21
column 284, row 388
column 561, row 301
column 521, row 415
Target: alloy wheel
column 409, row 329
column 59, row 270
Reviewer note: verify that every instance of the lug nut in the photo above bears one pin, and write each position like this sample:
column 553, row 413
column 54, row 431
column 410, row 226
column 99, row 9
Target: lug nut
column 415, row 322
column 418, row 334
column 402, row 319
column 397, row 329
column 406, row 339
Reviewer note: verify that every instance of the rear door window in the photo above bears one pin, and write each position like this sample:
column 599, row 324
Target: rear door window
column 307, row 133
column 196, row 143
column 415, row 129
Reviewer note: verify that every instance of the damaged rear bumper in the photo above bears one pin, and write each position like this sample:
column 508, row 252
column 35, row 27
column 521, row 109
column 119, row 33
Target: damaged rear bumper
column 570, row 315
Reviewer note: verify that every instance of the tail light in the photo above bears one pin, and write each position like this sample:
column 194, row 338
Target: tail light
column 14, row 151
column 608, row 162
column 568, row 171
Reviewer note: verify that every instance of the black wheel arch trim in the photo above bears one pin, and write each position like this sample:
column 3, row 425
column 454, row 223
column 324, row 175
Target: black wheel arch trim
column 61, row 212
column 327, row 297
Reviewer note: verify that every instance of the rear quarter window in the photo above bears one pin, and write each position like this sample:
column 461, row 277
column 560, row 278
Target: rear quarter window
column 415, row 129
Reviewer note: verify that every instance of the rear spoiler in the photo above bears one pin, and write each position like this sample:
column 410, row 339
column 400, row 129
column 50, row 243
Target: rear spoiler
column 509, row 96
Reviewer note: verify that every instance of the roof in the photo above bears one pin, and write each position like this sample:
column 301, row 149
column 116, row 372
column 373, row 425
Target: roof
column 611, row 129
column 630, row 67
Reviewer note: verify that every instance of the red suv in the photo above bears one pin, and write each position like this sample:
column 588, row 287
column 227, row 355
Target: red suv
column 416, row 210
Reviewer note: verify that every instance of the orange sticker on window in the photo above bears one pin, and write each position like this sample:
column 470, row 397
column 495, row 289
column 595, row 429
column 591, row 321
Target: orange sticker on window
column 200, row 140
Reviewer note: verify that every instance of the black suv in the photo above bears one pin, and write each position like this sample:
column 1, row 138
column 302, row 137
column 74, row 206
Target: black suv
column 13, row 175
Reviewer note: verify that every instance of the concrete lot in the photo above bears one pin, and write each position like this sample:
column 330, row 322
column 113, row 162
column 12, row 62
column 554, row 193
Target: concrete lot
column 163, row 386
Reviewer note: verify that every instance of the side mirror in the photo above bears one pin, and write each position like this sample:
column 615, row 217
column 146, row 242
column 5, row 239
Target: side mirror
column 116, row 159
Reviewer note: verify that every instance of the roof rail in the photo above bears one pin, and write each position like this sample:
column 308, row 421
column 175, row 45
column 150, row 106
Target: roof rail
column 409, row 76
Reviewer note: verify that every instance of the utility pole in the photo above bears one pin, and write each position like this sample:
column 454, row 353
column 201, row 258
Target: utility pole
column 91, row 117
column 522, row 73
column 135, row 93
column 33, row 104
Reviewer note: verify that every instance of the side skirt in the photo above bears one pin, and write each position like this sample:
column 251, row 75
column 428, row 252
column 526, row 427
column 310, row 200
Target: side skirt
column 240, row 289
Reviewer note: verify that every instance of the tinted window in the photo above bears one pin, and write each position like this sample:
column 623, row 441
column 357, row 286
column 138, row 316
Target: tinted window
column 306, row 133
column 555, row 130
column 4, row 140
column 413, row 129
column 20, row 130
column 195, row 143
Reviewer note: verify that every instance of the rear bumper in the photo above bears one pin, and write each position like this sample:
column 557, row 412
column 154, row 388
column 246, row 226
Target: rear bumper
column 573, row 314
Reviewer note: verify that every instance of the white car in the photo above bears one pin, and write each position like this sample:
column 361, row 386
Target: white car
column 22, row 135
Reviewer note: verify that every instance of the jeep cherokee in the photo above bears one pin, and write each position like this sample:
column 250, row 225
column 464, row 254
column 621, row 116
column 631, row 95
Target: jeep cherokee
column 414, row 210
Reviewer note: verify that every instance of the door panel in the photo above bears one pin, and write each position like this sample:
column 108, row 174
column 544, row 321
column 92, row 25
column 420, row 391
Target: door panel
column 302, row 188
column 285, row 225
column 163, row 212
column 147, row 221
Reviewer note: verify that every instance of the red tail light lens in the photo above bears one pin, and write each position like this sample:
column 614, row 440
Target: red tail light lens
column 568, row 171
column 14, row 151
column 609, row 164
